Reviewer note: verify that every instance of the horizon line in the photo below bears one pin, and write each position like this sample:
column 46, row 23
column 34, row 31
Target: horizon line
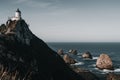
column 78, row 42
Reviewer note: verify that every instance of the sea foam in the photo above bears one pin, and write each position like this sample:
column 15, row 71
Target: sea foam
column 107, row 71
column 117, row 70
column 79, row 63
column 94, row 58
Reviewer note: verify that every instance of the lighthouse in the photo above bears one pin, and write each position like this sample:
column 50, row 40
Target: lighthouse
column 17, row 15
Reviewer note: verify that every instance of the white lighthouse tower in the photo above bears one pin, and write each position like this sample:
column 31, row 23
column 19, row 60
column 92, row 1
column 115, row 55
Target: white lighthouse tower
column 17, row 15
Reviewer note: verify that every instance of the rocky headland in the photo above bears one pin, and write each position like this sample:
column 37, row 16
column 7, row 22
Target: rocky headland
column 23, row 56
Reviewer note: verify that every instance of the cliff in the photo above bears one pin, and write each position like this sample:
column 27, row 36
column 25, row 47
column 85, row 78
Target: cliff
column 23, row 56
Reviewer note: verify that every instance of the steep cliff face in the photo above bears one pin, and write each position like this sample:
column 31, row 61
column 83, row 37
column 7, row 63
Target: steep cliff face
column 23, row 56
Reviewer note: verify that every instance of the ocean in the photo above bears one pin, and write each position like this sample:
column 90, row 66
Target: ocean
column 112, row 49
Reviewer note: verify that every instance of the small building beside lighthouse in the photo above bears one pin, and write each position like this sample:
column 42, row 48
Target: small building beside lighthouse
column 17, row 15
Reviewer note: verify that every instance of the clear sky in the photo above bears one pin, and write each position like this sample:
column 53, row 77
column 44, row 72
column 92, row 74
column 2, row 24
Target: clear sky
column 68, row 20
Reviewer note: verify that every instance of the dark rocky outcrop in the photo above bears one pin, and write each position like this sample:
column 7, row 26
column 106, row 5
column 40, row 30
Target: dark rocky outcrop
column 112, row 76
column 68, row 59
column 85, row 73
column 60, row 52
column 73, row 51
column 104, row 62
column 87, row 55
column 23, row 56
column 3, row 28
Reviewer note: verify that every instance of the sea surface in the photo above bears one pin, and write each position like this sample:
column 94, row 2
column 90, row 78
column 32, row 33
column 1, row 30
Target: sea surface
column 112, row 49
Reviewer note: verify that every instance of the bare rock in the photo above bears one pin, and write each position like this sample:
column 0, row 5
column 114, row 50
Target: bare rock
column 60, row 52
column 73, row 51
column 104, row 62
column 87, row 55
column 112, row 76
column 68, row 59
column 86, row 74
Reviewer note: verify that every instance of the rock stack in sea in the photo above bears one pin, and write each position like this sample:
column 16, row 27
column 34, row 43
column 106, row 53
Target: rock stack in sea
column 60, row 52
column 87, row 55
column 68, row 59
column 73, row 51
column 104, row 62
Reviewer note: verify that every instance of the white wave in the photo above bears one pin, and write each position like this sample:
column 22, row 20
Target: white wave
column 104, row 71
column 79, row 54
column 107, row 71
column 117, row 70
column 95, row 58
column 79, row 63
column 93, row 65
column 96, row 68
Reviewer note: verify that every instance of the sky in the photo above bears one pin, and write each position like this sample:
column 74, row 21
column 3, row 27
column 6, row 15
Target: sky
column 68, row 20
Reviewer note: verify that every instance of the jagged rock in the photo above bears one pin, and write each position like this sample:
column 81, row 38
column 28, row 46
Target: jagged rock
column 104, row 62
column 68, row 59
column 113, row 76
column 2, row 28
column 60, row 52
column 87, row 55
column 73, row 51
column 85, row 73
column 23, row 56
column 10, row 26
